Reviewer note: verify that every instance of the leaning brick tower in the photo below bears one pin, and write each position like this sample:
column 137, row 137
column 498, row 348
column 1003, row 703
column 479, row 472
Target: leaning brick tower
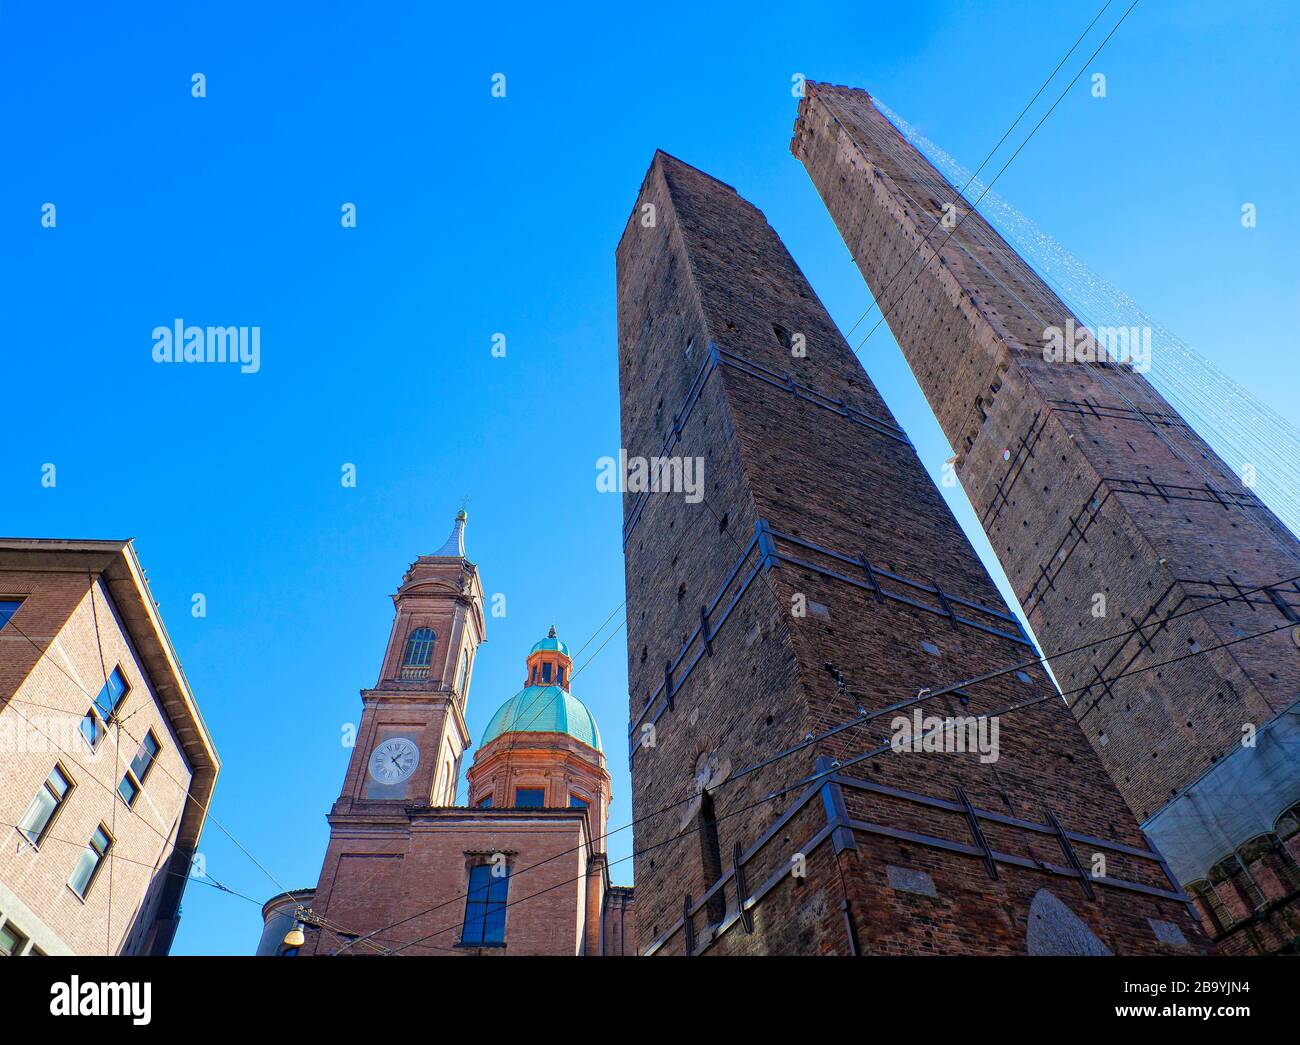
column 809, row 593
column 1109, row 514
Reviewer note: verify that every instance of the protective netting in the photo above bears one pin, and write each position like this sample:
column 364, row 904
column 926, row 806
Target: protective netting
column 1238, row 799
column 1244, row 794
column 1252, row 438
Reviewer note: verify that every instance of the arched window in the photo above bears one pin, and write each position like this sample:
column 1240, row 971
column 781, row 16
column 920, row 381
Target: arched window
column 1210, row 904
column 1268, row 860
column 1235, row 888
column 419, row 647
column 1288, row 824
column 462, row 674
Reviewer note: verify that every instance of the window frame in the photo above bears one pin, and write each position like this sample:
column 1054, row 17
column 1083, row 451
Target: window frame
column 96, row 715
column 481, row 913
column 462, row 673
column 17, row 602
column 537, row 790
column 135, row 778
column 420, row 643
column 59, row 803
column 129, row 782
column 93, row 877
column 20, row 938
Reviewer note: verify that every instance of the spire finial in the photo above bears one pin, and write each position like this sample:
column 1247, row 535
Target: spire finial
column 551, row 634
column 454, row 546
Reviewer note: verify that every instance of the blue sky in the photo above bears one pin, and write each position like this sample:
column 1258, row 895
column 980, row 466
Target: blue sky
column 479, row 215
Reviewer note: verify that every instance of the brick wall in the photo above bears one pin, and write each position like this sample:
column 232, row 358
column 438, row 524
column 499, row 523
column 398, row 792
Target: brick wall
column 619, row 922
column 380, row 873
column 805, row 443
column 1088, row 483
column 1086, row 480
column 399, row 857
column 42, row 700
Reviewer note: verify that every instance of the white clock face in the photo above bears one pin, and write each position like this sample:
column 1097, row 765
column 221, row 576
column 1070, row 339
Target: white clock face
column 394, row 760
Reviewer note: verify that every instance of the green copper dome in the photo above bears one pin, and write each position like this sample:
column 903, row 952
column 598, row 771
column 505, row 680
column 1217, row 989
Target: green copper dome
column 550, row 643
column 544, row 709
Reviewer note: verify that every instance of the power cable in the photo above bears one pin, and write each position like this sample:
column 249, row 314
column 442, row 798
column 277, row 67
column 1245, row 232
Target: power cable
column 1005, row 134
column 864, row 716
column 836, row 767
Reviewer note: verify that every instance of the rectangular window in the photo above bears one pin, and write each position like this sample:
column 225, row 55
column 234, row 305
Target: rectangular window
column 40, row 814
column 485, row 907
column 91, row 729
column 90, row 861
column 143, row 761
column 110, row 696
column 8, row 607
column 485, row 802
column 578, row 803
column 109, row 699
column 546, row 673
column 462, row 673
column 530, row 797
column 128, row 789
column 11, row 940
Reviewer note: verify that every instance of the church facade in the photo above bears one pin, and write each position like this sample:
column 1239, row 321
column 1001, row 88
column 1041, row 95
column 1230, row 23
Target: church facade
column 520, row 869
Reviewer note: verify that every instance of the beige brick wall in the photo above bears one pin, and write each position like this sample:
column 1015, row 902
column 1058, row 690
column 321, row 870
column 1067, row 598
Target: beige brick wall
column 46, row 696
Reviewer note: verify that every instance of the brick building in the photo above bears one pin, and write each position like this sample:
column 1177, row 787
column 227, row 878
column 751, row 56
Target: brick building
column 106, row 767
column 787, row 618
column 1119, row 528
column 520, row 870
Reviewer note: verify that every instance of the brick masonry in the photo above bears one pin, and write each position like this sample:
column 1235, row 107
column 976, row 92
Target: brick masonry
column 85, row 611
column 397, row 867
column 711, row 308
column 1088, row 483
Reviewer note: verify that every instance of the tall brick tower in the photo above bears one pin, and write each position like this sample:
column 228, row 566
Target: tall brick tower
column 522, row 869
column 811, row 577
column 1110, row 516
column 409, row 743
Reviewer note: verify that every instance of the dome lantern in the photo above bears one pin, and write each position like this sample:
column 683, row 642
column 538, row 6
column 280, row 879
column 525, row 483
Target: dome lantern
column 541, row 750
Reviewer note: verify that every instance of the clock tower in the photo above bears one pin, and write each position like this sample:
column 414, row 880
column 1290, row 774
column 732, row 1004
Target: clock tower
column 520, row 870
column 412, row 733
